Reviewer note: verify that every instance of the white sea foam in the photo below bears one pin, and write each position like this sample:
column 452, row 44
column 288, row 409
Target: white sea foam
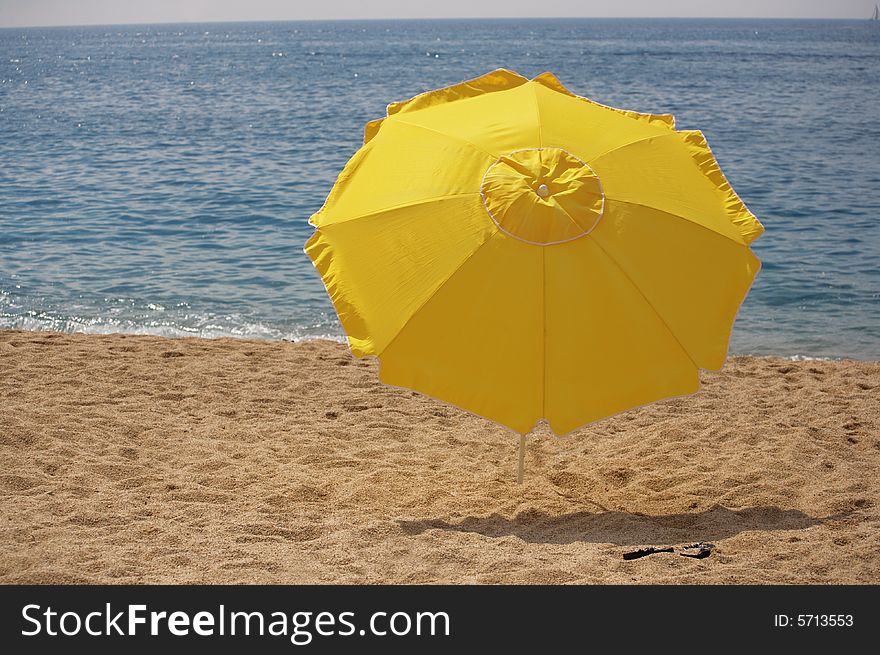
column 240, row 330
column 808, row 358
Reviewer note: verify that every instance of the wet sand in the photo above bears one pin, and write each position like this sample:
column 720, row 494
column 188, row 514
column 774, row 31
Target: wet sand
column 129, row 459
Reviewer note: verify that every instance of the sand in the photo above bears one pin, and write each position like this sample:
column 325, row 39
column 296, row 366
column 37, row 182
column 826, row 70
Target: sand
column 133, row 459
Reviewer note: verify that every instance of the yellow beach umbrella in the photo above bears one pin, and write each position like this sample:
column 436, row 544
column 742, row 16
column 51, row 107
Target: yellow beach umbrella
column 525, row 253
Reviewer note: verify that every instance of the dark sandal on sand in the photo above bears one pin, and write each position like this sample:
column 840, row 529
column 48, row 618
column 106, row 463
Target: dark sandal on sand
column 698, row 550
column 650, row 550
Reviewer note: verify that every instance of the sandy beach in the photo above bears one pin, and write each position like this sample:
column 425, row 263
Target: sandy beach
column 131, row 459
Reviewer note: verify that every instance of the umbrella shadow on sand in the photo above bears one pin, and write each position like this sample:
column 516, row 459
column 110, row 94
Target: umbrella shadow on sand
column 624, row 528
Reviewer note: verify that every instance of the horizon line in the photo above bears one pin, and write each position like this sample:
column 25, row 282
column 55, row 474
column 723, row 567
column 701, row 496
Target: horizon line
column 427, row 18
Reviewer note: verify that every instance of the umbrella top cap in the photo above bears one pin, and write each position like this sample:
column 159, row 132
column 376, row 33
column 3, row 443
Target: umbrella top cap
column 543, row 196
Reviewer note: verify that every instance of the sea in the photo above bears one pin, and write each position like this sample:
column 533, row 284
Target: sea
column 158, row 179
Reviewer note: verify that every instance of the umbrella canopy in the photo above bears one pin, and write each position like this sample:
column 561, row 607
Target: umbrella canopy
column 525, row 253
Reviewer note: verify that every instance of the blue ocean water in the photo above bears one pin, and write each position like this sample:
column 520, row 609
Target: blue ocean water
column 158, row 179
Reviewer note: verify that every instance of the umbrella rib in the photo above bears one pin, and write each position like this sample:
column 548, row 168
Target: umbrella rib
column 681, row 218
column 543, row 332
column 435, row 291
column 573, row 222
column 461, row 139
column 543, row 267
column 538, row 117
column 628, row 144
column 596, row 158
column 645, row 298
column 650, row 304
column 385, row 210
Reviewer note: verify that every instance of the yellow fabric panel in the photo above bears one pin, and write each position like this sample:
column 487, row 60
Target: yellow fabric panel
column 586, row 129
column 402, row 165
column 379, row 270
column 669, row 173
column 371, row 129
column 745, row 220
column 606, row 348
column 477, row 343
column 552, row 82
column 497, row 80
column 696, row 280
column 496, row 123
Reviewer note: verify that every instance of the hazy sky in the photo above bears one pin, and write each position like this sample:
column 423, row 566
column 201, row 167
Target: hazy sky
column 89, row 12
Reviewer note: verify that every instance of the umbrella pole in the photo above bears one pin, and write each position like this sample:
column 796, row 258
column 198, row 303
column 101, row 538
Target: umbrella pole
column 522, row 457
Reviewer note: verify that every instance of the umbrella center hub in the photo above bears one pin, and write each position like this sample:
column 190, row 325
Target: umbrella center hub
column 543, row 196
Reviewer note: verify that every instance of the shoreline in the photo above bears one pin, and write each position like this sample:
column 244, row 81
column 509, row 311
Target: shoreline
column 341, row 339
column 142, row 459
